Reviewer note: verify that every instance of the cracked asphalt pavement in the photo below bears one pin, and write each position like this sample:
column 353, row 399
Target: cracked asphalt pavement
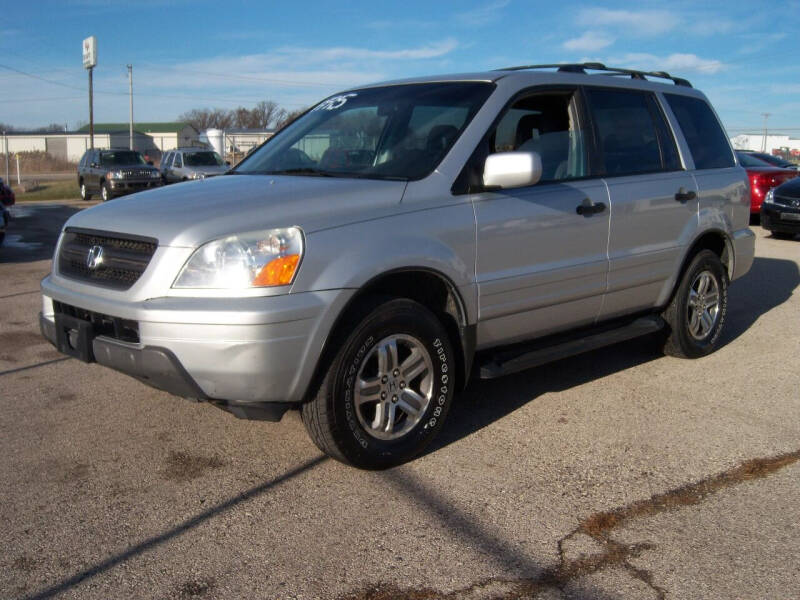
column 620, row 473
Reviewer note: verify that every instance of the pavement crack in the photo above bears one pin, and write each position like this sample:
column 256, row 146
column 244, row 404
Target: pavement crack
column 599, row 526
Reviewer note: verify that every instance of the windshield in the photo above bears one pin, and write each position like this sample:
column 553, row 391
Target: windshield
column 123, row 157
column 202, row 159
column 393, row 132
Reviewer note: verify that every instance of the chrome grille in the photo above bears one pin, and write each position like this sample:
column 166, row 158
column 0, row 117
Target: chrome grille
column 122, row 262
column 138, row 173
column 786, row 201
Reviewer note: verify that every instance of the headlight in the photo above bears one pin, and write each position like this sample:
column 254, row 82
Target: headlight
column 155, row 174
column 115, row 175
column 197, row 176
column 260, row 259
column 769, row 197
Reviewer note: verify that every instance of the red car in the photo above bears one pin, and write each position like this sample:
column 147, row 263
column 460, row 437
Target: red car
column 763, row 177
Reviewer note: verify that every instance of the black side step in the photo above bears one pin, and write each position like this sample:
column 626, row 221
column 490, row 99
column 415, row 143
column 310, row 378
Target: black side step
column 505, row 363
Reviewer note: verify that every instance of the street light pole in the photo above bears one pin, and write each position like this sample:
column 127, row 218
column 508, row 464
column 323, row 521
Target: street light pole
column 764, row 143
column 91, row 111
column 130, row 95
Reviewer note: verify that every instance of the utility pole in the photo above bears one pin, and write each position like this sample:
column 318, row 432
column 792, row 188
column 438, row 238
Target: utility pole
column 130, row 95
column 764, row 143
column 5, row 139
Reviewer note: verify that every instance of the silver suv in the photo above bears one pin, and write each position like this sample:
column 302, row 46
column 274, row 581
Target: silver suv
column 399, row 238
column 183, row 164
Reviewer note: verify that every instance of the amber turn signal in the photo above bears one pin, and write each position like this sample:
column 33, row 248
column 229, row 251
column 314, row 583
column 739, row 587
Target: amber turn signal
column 278, row 271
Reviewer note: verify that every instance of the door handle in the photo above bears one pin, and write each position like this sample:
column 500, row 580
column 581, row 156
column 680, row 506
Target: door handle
column 588, row 208
column 683, row 196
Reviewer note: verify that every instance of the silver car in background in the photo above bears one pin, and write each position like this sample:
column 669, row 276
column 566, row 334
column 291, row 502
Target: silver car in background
column 397, row 239
column 185, row 164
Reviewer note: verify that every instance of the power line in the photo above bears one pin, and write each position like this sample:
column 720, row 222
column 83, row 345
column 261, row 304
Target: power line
column 245, row 77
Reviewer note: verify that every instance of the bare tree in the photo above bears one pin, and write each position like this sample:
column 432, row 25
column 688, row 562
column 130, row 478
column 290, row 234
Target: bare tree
column 263, row 115
column 208, row 118
column 266, row 114
column 289, row 118
column 6, row 127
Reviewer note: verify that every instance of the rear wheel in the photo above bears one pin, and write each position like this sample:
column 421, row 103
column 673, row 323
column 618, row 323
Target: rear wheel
column 697, row 312
column 388, row 389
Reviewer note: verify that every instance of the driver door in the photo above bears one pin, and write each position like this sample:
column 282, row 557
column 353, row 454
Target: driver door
column 541, row 258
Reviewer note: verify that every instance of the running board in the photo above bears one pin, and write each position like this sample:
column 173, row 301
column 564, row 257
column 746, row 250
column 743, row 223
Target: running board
column 505, row 363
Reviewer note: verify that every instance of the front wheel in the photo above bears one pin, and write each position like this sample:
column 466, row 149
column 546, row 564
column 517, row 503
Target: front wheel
column 388, row 389
column 85, row 195
column 105, row 192
column 697, row 312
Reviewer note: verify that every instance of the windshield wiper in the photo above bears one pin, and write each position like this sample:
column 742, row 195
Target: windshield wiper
column 302, row 171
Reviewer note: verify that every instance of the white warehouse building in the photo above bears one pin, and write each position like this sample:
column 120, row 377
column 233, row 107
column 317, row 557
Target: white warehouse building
column 755, row 141
column 152, row 138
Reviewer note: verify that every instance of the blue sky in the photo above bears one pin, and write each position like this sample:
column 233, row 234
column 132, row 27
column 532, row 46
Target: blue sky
column 194, row 54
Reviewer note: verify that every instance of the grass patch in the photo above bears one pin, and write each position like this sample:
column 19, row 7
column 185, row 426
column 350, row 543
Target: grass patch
column 65, row 189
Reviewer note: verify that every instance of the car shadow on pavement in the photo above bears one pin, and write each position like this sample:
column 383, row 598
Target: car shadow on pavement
column 33, row 231
column 176, row 531
column 769, row 283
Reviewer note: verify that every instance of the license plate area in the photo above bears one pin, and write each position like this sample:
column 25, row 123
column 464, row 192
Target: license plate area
column 790, row 216
column 74, row 337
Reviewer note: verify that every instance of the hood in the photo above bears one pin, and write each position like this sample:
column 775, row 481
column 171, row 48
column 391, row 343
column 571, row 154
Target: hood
column 129, row 166
column 210, row 170
column 789, row 189
column 194, row 212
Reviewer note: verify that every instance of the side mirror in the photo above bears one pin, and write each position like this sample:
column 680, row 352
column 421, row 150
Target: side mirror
column 512, row 169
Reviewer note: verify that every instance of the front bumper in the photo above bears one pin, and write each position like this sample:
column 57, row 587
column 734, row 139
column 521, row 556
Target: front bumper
column 780, row 218
column 241, row 352
column 129, row 186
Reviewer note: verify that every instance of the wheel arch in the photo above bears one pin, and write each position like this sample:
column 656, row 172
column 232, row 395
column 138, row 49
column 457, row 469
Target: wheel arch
column 715, row 240
column 429, row 287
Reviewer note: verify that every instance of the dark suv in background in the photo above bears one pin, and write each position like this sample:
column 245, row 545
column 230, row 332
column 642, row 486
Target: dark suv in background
column 115, row 172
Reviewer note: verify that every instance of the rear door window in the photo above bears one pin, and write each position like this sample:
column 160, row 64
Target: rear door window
column 704, row 135
column 632, row 134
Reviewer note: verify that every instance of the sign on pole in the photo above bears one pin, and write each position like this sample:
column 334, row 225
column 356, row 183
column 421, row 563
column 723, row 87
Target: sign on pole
column 89, row 52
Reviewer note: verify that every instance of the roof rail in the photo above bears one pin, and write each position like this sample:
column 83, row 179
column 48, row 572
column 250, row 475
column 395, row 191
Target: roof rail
column 594, row 66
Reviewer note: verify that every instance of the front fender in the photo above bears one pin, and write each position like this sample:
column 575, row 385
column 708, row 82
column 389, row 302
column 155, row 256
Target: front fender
column 437, row 239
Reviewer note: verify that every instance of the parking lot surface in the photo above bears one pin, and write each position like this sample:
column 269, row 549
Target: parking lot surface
column 620, row 473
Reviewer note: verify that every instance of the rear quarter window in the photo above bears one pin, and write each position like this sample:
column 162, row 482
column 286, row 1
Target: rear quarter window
column 704, row 135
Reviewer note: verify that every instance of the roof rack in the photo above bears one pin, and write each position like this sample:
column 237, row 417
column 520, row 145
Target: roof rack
column 594, row 66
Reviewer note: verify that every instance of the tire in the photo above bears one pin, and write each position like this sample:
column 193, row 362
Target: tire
column 696, row 315
column 782, row 235
column 387, row 390
column 105, row 192
column 85, row 195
